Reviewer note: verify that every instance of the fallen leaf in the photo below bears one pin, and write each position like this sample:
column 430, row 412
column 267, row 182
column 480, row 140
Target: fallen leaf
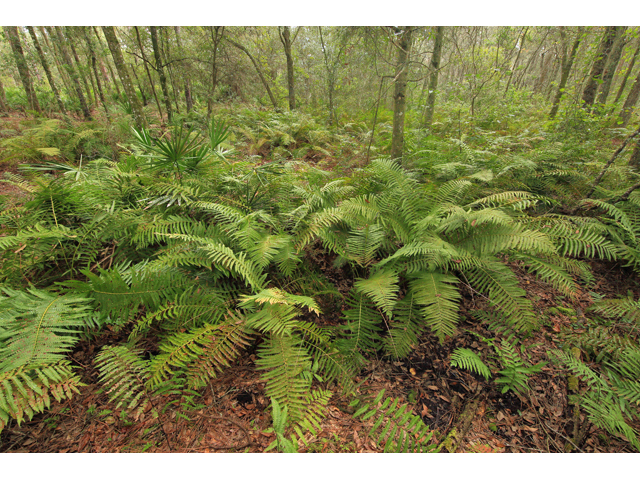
column 412, row 371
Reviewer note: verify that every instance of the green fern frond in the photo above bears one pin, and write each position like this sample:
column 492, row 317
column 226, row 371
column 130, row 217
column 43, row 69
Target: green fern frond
column 381, row 287
column 394, row 426
column 469, row 360
column 200, row 352
column 124, row 374
column 286, row 364
column 438, row 295
column 27, row 390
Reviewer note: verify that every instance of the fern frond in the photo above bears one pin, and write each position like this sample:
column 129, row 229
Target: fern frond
column 394, row 426
column 382, row 287
column 469, row 360
column 438, row 295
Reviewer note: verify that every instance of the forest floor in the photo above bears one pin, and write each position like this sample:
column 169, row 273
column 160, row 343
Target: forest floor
column 232, row 413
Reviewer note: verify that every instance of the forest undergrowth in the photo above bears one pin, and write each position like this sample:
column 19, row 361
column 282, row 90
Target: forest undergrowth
column 262, row 282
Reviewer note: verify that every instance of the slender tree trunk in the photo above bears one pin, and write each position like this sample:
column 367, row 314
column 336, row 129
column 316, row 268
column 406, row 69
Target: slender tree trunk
column 56, row 58
column 597, row 69
column 146, row 67
column 630, row 102
column 333, row 120
column 47, row 70
column 285, row 38
column 187, row 83
column 400, row 89
column 627, row 74
column 114, row 80
column 79, row 67
column 140, row 84
column 94, row 62
column 160, row 70
column 70, row 70
column 634, row 160
column 258, row 70
column 216, row 35
column 23, row 69
column 166, row 54
column 567, row 64
column 612, row 65
column 433, row 78
column 3, row 98
column 116, row 53
column 515, row 63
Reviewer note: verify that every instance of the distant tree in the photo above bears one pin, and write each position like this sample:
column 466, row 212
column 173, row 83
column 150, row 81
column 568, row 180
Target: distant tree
column 287, row 42
column 567, row 63
column 47, row 70
column 433, row 78
column 187, row 83
column 404, row 42
column 23, row 69
column 597, row 69
column 68, row 64
column 160, row 70
column 116, row 53
column 612, row 65
column 630, row 103
column 3, row 98
column 627, row 73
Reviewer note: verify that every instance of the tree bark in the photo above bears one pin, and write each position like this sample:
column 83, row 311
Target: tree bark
column 634, row 161
column 285, row 38
column 400, row 89
column 216, row 35
column 23, row 69
column 597, row 69
column 94, row 66
column 612, row 65
column 258, row 70
column 567, row 64
column 3, row 98
column 433, row 79
column 47, row 70
column 114, row 80
column 79, row 69
column 146, row 67
column 515, row 63
column 71, row 71
column 630, row 102
column 160, row 70
column 116, row 53
column 627, row 74
column 166, row 54
column 187, row 83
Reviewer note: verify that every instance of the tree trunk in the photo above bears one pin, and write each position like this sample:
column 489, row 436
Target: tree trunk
column 515, row 63
column 630, row 103
column 216, row 35
column 433, row 79
column 634, row 160
column 71, row 71
column 331, row 80
column 94, row 66
column 285, row 38
column 116, row 53
column 187, row 83
column 23, row 69
column 400, row 89
column 146, row 67
column 627, row 73
column 612, row 65
column 567, row 64
column 47, row 70
column 258, row 69
column 160, row 70
column 3, row 98
column 166, row 54
column 114, row 80
column 79, row 67
column 597, row 69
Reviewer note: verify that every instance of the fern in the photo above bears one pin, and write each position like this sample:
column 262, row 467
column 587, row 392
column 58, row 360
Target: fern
column 469, row 360
column 394, row 427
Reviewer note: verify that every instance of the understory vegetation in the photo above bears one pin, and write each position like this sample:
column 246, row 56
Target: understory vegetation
column 196, row 243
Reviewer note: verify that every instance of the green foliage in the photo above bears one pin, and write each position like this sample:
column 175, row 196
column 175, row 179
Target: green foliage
column 37, row 329
column 394, row 427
